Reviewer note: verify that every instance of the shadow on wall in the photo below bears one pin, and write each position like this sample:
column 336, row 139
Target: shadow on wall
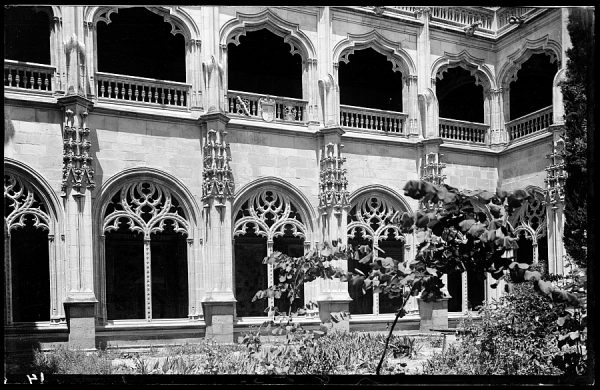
column 9, row 129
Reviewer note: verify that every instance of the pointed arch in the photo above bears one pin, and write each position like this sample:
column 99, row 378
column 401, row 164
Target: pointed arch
column 146, row 199
column 476, row 66
column 543, row 45
column 28, row 194
column 392, row 50
column 290, row 32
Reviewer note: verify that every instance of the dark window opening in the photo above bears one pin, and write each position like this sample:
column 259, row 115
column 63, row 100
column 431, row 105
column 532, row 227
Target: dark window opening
column 168, row 251
column 395, row 249
column 250, row 274
column 532, row 90
column 139, row 42
column 27, row 34
column 475, row 290
column 294, row 247
column 124, row 259
column 458, row 96
column 454, row 288
column 30, row 273
column 368, row 80
column 543, row 251
column 362, row 303
column 262, row 63
column 525, row 250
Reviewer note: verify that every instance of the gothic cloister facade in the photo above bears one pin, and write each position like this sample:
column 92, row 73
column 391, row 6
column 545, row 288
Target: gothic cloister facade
column 155, row 155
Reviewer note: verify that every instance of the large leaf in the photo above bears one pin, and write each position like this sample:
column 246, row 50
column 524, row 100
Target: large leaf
column 466, row 224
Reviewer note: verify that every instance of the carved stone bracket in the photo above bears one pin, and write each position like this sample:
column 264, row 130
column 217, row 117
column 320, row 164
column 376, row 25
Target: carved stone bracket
column 78, row 171
column 556, row 176
column 217, row 176
column 333, row 186
column 431, row 168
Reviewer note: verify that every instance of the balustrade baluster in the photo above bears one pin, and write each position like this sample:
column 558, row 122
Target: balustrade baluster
column 143, row 93
column 17, row 79
column 37, row 81
column 9, row 78
column 168, row 96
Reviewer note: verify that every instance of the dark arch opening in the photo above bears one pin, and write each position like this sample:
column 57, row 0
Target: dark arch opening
column 262, row 63
column 362, row 303
column 395, row 249
column 124, row 260
column 139, row 42
column 454, row 287
column 250, row 273
column 458, row 96
column 367, row 80
column 293, row 247
column 168, row 252
column 27, row 34
column 30, row 273
column 532, row 90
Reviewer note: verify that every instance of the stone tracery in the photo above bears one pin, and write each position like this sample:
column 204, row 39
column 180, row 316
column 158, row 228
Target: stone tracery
column 270, row 213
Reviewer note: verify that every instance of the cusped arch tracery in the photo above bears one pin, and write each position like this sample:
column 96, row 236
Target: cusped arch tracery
column 145, row 207
column 21, row 201
column 400, row 59
column 531, row 216
column 371, row 213
column 267, row 19
column 270, row 214
column 476, row 66
column 543, row 45
column 180, row 22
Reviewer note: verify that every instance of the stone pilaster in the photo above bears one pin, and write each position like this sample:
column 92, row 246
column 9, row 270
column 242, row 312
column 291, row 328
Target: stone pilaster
column 329, row 92
column 74, row 38
column 333, row 207
column 213, row 57
column 497, row 137
column 217, row 195
column 410, row 105
column 77, row 183
column 555, row 195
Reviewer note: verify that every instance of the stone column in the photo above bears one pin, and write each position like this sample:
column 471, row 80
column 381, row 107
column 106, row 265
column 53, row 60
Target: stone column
column 217, row 195
column 77, row 184
column 555, row 181
column 333, row 207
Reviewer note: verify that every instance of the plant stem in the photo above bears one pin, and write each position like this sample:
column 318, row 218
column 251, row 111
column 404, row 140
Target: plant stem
column 387, row 341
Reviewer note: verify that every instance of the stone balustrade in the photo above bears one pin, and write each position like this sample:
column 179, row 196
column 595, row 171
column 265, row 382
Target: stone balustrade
column 463, row 131
column 503, row 16
column 461, row 16
column 28, row 75
column 266, row 107
column 372, row 119
column 530, row 123
column 142, row 91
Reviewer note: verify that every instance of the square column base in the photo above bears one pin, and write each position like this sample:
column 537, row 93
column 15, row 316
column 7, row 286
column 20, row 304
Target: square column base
column 329, row 307
column 81, row 322
column 434, row 314
column 219, row 321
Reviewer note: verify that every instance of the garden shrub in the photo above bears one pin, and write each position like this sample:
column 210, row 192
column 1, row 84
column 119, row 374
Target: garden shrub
column 517, row 335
